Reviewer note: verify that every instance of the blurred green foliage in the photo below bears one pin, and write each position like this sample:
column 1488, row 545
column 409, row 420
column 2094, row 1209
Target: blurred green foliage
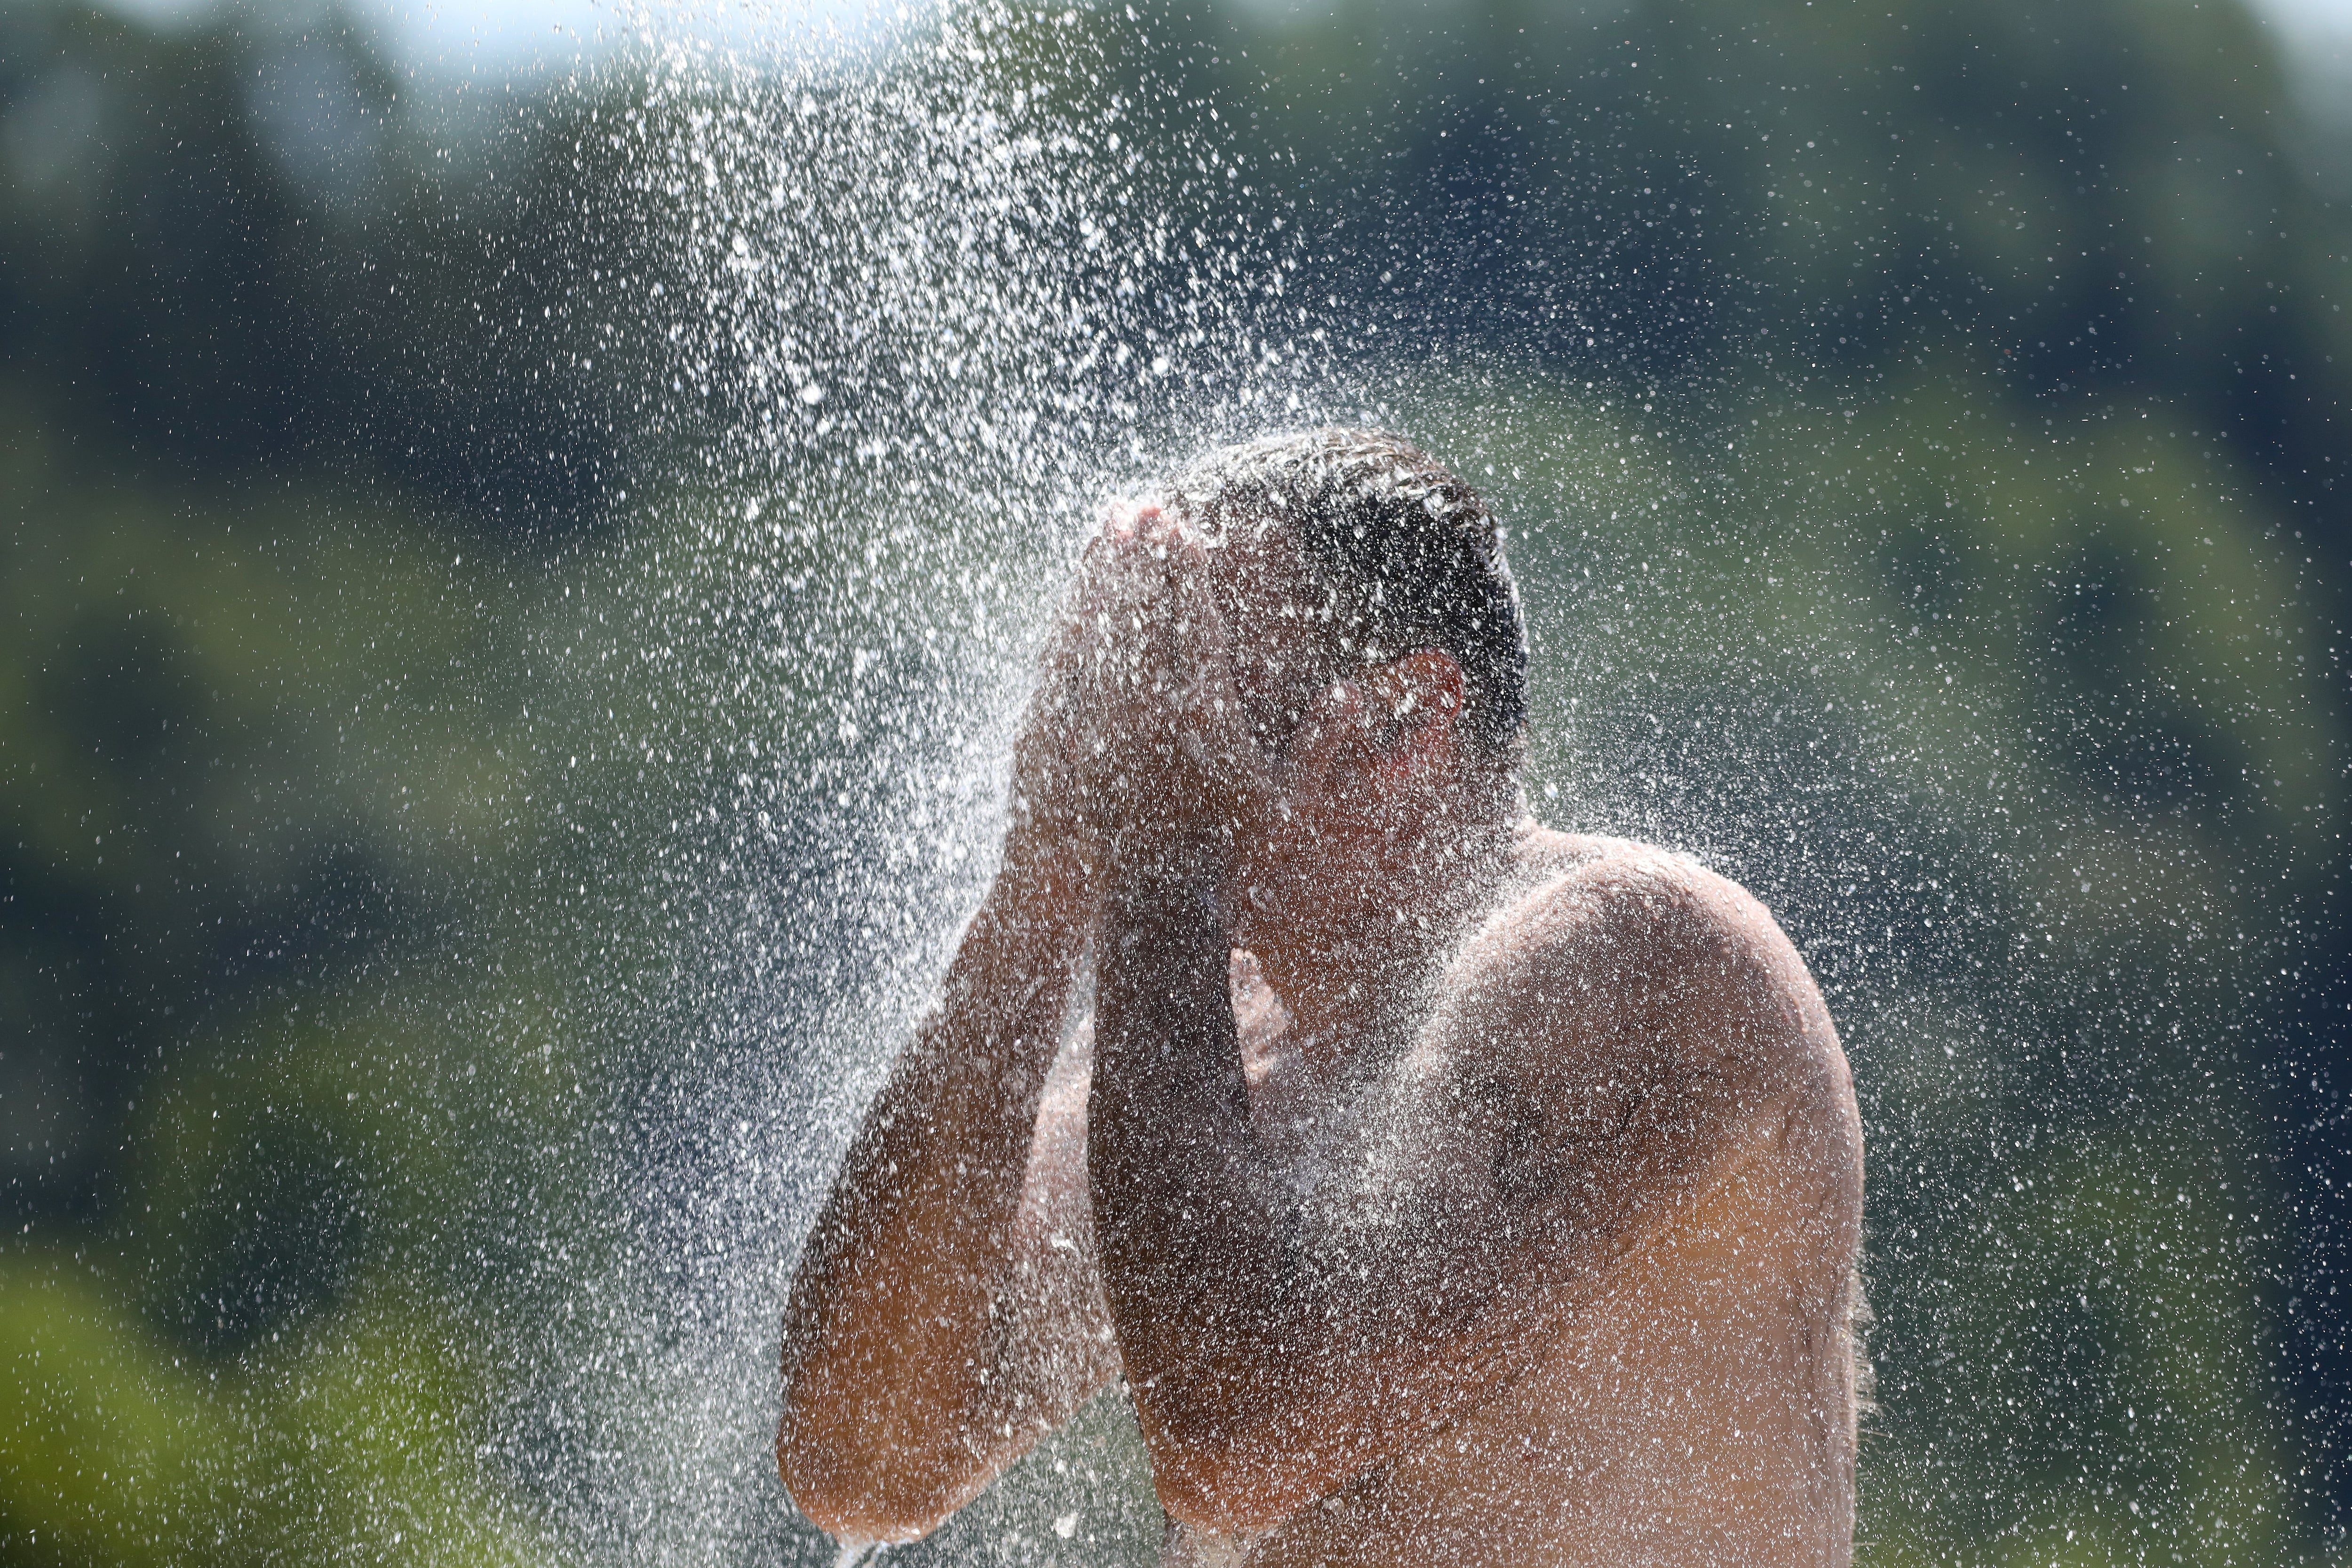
column 2089, row 197
column 1922, row 428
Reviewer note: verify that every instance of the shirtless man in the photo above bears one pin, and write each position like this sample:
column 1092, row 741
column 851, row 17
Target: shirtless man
column 1447, row 1190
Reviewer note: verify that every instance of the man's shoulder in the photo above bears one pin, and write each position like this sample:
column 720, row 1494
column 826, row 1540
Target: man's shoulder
column 1603, row 937
column 1574, row 892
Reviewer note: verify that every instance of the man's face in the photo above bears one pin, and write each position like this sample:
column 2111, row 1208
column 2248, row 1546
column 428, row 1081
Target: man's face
column 1318, row 847
column 1279, row 613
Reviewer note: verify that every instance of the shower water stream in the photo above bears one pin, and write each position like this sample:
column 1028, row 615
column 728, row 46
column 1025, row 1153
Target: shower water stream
column 925, row 302
column 926, row 283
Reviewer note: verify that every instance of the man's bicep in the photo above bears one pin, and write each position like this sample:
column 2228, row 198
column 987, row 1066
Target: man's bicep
column 1629, row 1017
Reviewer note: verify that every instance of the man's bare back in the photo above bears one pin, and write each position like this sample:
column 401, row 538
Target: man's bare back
column 1445, row 1188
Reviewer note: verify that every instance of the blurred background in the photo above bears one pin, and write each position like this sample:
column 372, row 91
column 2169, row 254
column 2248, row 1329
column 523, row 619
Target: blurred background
column 522, row 542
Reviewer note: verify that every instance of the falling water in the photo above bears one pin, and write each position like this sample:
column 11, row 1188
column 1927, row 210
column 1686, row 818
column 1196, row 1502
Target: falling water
column 918, row 320
column 904, row 312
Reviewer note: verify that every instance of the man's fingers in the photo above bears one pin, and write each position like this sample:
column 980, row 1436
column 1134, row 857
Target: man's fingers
column 1130, row 518
column 1150, row 714
column 1107, row 718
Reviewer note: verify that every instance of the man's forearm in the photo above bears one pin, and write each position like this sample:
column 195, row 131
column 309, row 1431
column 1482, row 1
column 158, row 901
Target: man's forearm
column 1263, row 1364
column 898, row 1275
column 1193, row 1222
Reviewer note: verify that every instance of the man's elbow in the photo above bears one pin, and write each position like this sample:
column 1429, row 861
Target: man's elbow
column 1214, row 1474
column 856, row 1493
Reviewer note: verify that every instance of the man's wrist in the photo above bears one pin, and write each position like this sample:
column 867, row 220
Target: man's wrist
column 1167, row 855
column 1051, row 865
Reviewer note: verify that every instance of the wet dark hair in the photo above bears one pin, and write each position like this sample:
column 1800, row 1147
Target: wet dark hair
column 1414, row 557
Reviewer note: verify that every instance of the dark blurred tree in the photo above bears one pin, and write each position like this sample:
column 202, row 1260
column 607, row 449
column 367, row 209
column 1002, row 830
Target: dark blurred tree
column 240, row 247
column 193, row 696
column 258, row 314
column 2100, row 198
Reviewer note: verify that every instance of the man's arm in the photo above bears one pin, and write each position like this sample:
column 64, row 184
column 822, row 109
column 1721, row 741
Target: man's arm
column 1595, row 1050
column 945, row 1312
column 947, row 1308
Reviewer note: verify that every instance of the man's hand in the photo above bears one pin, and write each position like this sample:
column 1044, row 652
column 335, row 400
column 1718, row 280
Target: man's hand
column 1137, row 727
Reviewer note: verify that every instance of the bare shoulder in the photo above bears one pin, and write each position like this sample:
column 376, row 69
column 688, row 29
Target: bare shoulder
column 1625, row 989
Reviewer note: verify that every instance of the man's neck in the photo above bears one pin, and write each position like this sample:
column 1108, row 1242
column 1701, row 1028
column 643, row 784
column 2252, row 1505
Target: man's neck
column 1355, row 976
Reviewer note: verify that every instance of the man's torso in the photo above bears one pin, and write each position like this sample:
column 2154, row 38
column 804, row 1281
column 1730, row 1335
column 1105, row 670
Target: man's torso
column 1694, row 1390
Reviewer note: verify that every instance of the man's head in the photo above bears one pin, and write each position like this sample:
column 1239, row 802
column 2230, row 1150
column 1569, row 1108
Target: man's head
column 1397, row 555
column 1380, row 658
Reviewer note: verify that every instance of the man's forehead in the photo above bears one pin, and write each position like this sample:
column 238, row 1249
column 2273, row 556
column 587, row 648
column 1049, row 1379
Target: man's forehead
column 1261, row 560
column 1281, row 609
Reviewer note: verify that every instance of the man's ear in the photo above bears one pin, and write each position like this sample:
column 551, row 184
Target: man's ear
column 1419, row 702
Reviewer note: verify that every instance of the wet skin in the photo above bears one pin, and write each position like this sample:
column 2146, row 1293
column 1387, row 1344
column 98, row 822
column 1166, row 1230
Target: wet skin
column 1448, row 1189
